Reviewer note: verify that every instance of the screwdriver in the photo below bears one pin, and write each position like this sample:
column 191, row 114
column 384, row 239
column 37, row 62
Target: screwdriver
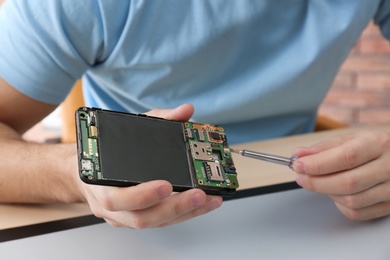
column 267, row 157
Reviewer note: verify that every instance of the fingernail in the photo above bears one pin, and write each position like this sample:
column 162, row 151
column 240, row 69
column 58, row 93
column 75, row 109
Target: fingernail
column 299, row 167
column 163, row 192
column 292, row 160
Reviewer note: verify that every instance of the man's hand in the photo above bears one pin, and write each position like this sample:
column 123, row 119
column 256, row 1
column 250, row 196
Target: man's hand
column 354, row 170
column 44, row 173
column 150, row 204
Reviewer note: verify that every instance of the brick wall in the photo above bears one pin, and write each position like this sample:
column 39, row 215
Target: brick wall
column 360, row 93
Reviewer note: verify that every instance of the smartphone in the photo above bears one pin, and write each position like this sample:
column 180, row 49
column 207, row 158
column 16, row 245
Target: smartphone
column 124, row 149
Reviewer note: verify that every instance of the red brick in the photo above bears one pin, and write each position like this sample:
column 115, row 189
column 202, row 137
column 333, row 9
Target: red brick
column 374, row 82
column 356, row 48
column 344, row 80
column 374, row 45
column 371, row 30
column 373, row 116
column 355, row 99
column 360, row 93
column 367, row 63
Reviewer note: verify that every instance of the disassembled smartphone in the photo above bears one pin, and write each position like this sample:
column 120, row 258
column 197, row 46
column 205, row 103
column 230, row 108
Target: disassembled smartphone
column 123, row 149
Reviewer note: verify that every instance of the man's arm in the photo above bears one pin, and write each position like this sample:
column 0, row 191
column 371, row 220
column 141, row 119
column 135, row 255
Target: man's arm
column 48, row 173
column 32, row 172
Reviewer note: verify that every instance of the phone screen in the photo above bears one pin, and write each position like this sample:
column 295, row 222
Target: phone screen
column 140, row 149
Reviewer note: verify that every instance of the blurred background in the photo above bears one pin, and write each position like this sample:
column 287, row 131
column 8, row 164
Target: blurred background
column 360, row 93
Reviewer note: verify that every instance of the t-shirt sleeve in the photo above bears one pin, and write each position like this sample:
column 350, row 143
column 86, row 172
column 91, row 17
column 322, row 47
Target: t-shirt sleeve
column 382, row 18
column 47, row 45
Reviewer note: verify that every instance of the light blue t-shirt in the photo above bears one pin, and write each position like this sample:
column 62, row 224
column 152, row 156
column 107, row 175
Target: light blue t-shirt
column 258, row 68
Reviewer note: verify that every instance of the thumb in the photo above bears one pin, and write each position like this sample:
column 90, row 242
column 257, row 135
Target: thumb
column 181, row 113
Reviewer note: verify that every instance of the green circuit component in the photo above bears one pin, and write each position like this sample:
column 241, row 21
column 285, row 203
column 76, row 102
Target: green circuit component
column 90, row 165
column 211, row 156
column 122, row 149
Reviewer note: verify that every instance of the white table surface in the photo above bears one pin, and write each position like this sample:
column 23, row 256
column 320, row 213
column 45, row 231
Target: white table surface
column 293, row 224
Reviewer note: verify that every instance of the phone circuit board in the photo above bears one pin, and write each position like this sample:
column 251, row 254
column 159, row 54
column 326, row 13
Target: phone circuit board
column 123, row 149
column 211, row 155
column 88, row 145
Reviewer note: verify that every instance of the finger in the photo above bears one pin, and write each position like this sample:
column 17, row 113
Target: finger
column 369, row 197
column 173, row 207
column 372, row 212
column 317, row 148
column 113, row 223
column 181, row 113
column 348, row 155
column 136, row 197
column 323, row 146
column 346, row 182
column 212, row 203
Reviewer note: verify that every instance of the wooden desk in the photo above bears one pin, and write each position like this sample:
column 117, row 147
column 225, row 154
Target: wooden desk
column 252, row 174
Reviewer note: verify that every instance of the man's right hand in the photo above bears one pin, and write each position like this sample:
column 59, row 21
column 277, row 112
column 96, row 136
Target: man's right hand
column 150, row 204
